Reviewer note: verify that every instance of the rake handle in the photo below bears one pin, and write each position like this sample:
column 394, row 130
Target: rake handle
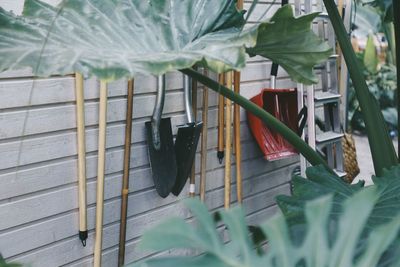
column 203, row 168
column 228, row 144
column 80, row 121
column 125, row 179
column 221, row 122
column 100, row 174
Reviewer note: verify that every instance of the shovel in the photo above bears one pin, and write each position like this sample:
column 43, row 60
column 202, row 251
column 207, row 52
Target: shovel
column 186, row 142
column 161, row 146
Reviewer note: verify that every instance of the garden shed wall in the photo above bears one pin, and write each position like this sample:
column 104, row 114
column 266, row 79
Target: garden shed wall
column 38, row 163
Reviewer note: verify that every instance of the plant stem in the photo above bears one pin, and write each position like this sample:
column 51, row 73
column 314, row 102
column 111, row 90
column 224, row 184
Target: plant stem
column 382, row 150
column 396, row 21
column 267, row 118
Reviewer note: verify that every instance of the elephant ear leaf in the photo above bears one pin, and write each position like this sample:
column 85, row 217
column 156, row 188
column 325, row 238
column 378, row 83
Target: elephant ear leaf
column 114, row 39
column 291, row 43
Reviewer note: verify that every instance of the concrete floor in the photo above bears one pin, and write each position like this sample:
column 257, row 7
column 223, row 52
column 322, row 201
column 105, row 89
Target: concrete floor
column 364, row 159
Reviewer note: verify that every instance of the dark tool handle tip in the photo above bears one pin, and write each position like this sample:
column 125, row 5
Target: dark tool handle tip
column 220, row 156
column 83, row 235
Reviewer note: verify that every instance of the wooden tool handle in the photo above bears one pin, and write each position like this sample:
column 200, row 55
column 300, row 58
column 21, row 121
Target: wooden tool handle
column 221, row 122
column 228, row 144
column 238, row 147
column 80, row 125
column 125, row 178
column 203, row 169
column 100, row 174
column 192, row 186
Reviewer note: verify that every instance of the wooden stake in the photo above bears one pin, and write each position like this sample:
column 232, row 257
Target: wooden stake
column 125, row 179
column 203, row 168
column 238, row 147
column 221, row 122
column 192, row 186
column 100, row 174
column 228, row 144
column 80, row 125
column 236, row 130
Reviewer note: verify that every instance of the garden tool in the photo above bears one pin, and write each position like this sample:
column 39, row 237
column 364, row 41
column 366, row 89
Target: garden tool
column 228, row 144
column 100, row 174
column 125, row 178
column 203, row 166
column 186, row 142
column 192, row 184
column 238, row 147
column 236, row 127
column 161, row 145
column 282, row 103
column 221, row 123
column 80, row 123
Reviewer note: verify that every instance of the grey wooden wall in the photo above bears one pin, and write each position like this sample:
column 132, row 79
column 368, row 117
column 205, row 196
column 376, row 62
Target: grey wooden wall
column 38, row 164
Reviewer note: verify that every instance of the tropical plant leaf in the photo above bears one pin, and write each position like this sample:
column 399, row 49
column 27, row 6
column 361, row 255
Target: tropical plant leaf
column 371, row 56
column 3, row 263
column 321, row 182
column 315, row 249
column 114, row 39
column 290, row 42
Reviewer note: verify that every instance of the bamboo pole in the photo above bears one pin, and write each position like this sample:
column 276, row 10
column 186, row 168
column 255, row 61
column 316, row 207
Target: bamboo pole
column 236, row 126
column 192, row 186
column 221, row 123
column 80, row 123
column 100, row 174
column 238, row 147
column 203, row 167
column 228, row 144
column 125, row 179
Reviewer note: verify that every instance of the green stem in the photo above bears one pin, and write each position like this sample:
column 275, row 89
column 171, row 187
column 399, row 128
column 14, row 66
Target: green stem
column 267, row 118
column 396, row 21
column 382, row 150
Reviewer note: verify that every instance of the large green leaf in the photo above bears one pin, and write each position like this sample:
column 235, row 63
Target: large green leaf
column 371, row 59
column 290, row 42
column 382, row 150
column 112, row 39
column 315, row 249
column 320, row 182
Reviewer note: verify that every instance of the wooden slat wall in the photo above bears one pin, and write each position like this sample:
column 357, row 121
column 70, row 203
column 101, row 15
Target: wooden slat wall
column 38, row 164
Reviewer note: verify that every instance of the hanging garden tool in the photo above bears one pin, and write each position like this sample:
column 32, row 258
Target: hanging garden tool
column 125, row 178
column 236, row 129
column 186, row 141
column 100, row 174
column 161, row 145
column 228, row 144
column 282, row 103
column 203, row 164
column 80, row 125
column 221, row 123
column 192, row 184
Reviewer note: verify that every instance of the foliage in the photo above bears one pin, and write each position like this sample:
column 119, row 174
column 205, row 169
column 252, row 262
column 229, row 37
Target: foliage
column 315, row 248
column 3, row 263
column 115, row 39
column 44, row 28
column 382, row 150
column 382, row 85
column 319, row 182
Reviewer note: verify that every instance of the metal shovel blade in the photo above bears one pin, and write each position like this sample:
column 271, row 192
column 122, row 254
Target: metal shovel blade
column 162, row 160
column 185, row 150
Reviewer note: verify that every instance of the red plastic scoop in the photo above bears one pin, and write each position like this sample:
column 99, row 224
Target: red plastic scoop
column 282, row 104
